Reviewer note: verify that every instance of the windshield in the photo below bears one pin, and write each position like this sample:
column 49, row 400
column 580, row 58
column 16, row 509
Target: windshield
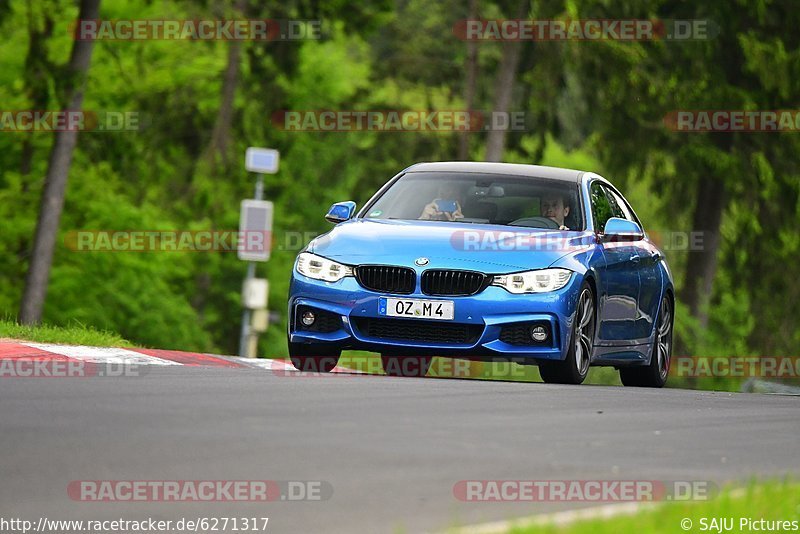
column 481, row 199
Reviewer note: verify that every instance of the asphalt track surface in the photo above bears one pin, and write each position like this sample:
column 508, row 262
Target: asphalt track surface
column 391, row 448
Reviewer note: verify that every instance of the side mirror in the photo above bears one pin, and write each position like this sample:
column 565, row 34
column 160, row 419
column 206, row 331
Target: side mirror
column 618, row 229
column 341, row 211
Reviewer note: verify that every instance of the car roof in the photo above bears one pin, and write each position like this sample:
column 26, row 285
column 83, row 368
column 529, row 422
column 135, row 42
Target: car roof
column 534, row 171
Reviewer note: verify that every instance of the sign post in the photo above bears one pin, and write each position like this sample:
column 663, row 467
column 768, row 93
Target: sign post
column 255, row 243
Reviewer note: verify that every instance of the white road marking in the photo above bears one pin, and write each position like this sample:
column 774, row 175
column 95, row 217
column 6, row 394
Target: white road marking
column 101, row 354
column 112, row 355
column 263, row 363
column 283, row 365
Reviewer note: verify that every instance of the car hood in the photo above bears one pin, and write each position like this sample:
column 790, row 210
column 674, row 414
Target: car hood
column 486, row 248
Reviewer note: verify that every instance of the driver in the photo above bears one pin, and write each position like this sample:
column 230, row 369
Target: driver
column 554, row 206
column 439, row 208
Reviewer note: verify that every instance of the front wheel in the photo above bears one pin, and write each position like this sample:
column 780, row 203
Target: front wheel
column 655, row 374
column 574, row 368
column 313, row 358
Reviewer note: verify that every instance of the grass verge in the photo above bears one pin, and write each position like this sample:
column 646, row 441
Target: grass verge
column 74, row 334
column 742, row 510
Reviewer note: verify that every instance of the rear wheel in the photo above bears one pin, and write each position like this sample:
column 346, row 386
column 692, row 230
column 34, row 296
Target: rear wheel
column 574, row 368
column 313, row 358
column 655, row 374
column 406, row 365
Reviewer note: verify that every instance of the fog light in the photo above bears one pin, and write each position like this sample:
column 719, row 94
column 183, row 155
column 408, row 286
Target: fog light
column 308, row 318
column 538, row 333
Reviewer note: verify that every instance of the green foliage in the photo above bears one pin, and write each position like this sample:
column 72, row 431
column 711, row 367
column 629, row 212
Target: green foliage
column 74, row 333
column 771, row 500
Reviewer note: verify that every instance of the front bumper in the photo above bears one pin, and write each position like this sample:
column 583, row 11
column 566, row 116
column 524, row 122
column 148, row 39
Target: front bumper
column 488, row 317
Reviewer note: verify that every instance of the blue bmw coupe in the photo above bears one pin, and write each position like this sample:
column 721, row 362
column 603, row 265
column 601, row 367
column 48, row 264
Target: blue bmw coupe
column 486, row 261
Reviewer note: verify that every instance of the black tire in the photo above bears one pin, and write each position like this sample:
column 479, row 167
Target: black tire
column 313, row 358
column 655, row 374
column 574, row 368
column 406, row 365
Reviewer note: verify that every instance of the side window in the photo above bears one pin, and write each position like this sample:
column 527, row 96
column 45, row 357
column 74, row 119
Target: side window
column 618, row 205
column 601, row 207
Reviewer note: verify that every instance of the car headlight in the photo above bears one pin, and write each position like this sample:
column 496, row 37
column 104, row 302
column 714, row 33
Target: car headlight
column 320, row 268
column 539, row 281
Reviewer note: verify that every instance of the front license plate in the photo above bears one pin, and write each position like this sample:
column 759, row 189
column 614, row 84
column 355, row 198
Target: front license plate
column 423, row 309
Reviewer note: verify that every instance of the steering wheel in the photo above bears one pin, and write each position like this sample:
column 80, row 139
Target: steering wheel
column 535, row 222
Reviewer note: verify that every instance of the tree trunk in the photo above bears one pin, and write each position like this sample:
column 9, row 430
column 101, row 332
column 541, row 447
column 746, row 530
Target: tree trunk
column 221, row 134
column 504, row 87
column 701, row 266
column 36, row 76
column 56, row 179
column 222, row 126
column 470, row 82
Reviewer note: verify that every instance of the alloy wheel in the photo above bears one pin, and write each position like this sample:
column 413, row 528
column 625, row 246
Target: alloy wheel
column 584, row 332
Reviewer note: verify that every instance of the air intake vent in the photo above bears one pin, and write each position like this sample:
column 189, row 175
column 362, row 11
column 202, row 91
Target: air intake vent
column 421, row 331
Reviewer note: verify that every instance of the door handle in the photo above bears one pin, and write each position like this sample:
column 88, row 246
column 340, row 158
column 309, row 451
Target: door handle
column 656, row 257
column 634, row 258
